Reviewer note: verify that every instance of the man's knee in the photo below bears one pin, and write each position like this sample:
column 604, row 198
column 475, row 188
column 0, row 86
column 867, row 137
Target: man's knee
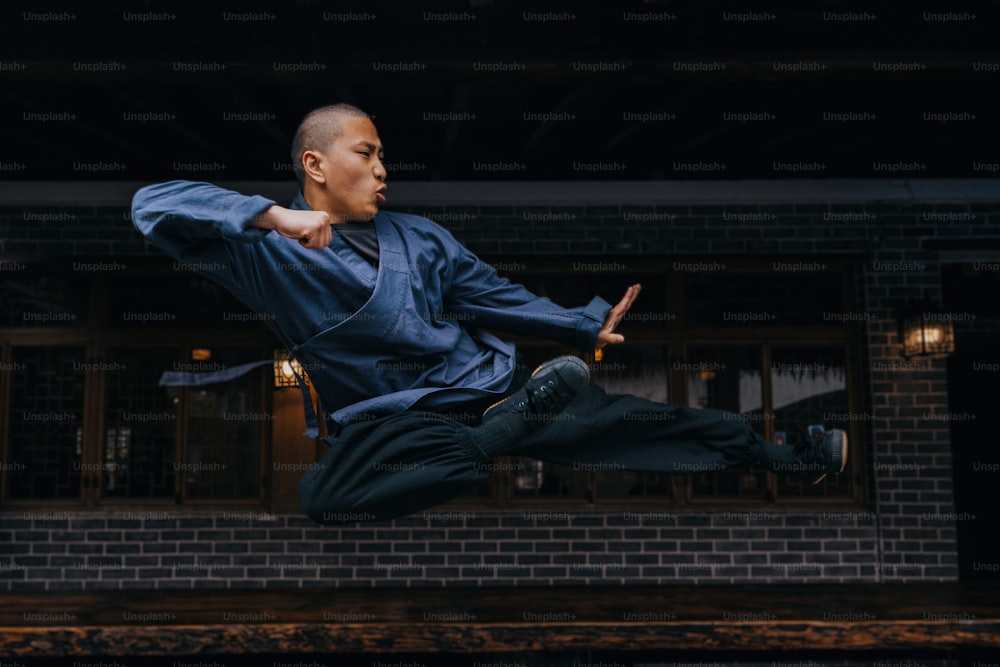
column 322, row 499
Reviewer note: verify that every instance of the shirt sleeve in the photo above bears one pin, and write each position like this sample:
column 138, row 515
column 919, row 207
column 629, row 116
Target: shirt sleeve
column 196, row 222
column 490, row 301
column 179, row 215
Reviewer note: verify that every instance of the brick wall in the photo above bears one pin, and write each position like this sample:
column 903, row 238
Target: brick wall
column 906, row 532
column 59, row 551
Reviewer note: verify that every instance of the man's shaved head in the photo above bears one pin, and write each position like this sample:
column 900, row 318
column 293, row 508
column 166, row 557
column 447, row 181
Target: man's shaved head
column 318, row 130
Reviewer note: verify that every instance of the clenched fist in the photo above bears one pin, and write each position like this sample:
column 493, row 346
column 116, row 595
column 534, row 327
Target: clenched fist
column 310, row 228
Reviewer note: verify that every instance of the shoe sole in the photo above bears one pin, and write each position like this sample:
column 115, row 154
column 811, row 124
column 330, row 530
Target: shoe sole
column 843, row 458
column 504, row 400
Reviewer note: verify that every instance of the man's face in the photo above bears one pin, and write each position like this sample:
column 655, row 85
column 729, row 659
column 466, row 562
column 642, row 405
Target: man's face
column 354, row 171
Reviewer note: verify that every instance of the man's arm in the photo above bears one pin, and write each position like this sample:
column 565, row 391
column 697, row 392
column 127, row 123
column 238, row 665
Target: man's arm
column 199, row 223
column 206, row 226
column 475, row 290
column 179, row 216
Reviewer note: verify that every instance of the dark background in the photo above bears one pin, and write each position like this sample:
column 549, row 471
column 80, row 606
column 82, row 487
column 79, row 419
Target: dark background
column 46, row 68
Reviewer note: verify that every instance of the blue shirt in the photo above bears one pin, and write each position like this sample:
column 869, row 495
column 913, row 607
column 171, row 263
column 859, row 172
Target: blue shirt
column 373, row 340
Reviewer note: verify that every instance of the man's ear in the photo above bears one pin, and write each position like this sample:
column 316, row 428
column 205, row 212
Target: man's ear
column 314, row 165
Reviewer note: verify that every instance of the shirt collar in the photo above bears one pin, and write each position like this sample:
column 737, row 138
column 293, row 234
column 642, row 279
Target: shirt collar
column 300, row 203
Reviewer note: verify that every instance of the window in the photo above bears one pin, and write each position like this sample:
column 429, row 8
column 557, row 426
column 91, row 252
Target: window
column 761, row 341
column 85, row 418
column 86, row 421
column 45, row 422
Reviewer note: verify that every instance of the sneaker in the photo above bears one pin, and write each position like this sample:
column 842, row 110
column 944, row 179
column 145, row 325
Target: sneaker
column 831, row 450
column 549, row 390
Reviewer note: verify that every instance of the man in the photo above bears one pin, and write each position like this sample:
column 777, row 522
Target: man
column 386, row 311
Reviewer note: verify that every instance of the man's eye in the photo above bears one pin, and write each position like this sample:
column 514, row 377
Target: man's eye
column 365, row 153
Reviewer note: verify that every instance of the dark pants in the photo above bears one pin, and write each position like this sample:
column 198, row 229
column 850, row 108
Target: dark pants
column 403, row 463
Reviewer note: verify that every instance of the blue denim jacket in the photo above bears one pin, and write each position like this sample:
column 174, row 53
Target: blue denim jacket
column 374, row 341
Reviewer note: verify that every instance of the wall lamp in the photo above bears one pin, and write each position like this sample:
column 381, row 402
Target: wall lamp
column 926, row 334
column 285, row 369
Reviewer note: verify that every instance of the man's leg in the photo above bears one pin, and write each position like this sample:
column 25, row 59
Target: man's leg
column 392, row 466
column 402, row 463
column 642, row 435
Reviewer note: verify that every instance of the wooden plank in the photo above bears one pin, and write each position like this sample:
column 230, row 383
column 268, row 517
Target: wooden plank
column 464, row 620
column 465, row 638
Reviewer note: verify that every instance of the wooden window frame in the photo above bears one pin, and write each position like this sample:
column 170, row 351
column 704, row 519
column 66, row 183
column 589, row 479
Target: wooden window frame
column 96, row 336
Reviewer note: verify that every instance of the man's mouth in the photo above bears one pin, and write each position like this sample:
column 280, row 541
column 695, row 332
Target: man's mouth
column 378, row 194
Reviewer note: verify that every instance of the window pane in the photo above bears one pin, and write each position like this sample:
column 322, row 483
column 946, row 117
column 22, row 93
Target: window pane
column 727, row 378
column 538, row 479
column 140, row 425
column 46, row 422
column 809, row 386
column 43, row 301
column 225, row 423
column 639, row 370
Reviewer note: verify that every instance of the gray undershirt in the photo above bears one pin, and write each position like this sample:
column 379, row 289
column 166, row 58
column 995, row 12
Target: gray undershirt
column 362, row 238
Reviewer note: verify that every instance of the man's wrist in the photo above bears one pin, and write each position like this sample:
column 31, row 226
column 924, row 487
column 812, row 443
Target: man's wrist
column 265, row 220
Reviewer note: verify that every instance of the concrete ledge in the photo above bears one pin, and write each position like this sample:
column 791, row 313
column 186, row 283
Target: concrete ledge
column 772, row 618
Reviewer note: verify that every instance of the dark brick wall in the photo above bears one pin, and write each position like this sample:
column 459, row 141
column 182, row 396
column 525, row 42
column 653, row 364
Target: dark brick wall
column 185, row 549
column 906, row 532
